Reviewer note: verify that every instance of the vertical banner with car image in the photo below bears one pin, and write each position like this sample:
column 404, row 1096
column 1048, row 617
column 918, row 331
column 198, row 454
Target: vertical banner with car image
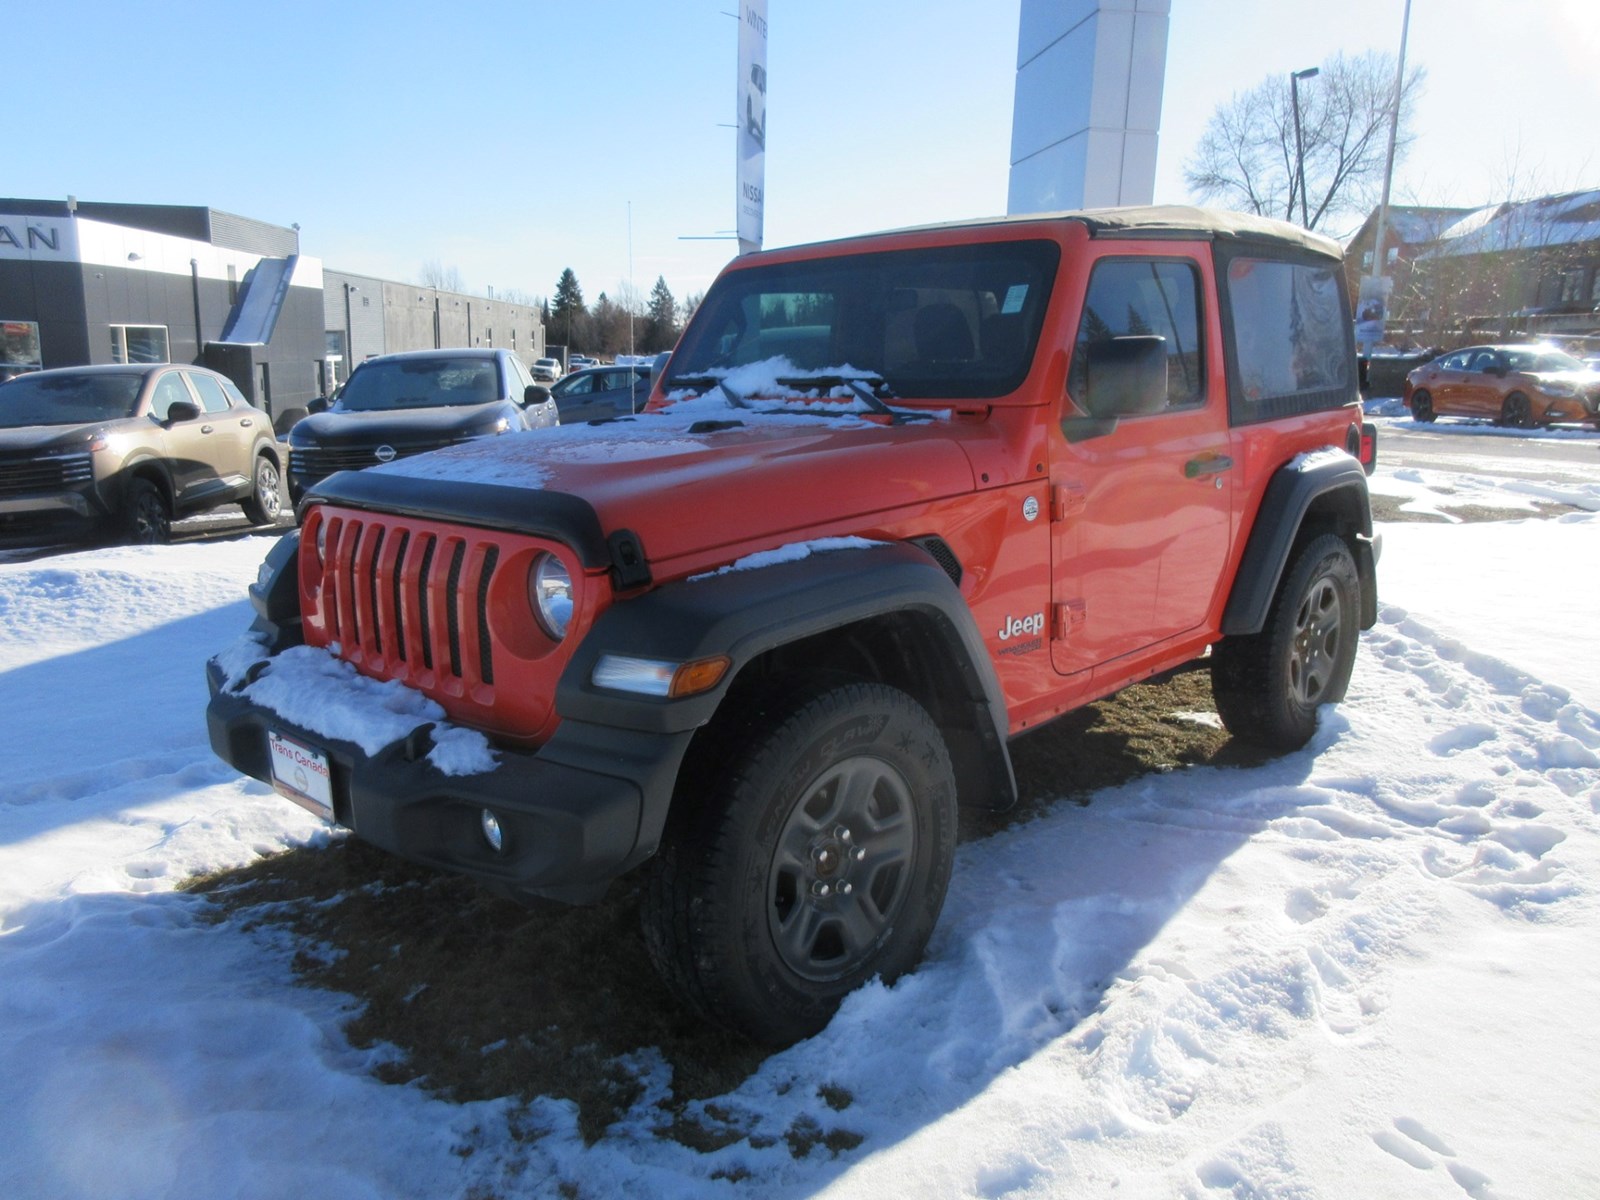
column 752, row 122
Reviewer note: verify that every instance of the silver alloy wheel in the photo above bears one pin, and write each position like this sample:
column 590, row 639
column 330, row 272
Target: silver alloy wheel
column 269, row 490
column 1317, row 628
column 842, row 868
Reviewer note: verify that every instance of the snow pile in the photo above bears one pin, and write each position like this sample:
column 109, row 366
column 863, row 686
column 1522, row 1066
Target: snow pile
column 1365, row 969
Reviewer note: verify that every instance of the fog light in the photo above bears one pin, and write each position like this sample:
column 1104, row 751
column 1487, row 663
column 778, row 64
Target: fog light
column 492, row 832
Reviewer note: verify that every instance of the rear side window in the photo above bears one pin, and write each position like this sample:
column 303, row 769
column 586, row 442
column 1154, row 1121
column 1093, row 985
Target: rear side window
column 1134, row 297
column 212, row 398
column 1292, row 338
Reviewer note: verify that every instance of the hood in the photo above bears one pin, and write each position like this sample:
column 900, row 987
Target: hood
column 1583, row 380
column 687, row 485
column 56, row 438
column 398, row 427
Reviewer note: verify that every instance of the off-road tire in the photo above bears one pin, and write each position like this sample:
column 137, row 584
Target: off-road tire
column 264, row 504
column 807, row 853
column 146, row 519
column 1422, row 407
column 1268, row 685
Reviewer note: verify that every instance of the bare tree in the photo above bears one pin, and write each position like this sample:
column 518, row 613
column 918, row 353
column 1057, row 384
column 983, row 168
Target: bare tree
column 446, row 279
column 1246, row 156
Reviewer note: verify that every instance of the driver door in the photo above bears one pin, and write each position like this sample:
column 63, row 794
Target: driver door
column 1141, row 512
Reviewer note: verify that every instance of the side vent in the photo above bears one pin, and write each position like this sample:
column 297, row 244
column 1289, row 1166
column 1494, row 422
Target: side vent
column 939, row 550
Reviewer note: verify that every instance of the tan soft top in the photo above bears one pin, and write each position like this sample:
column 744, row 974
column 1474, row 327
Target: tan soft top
column 1149, row 221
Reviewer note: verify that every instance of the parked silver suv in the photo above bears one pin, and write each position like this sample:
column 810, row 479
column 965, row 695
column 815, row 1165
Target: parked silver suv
column 125, row 449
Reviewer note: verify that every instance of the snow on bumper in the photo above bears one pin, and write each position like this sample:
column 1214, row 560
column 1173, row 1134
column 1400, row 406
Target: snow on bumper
column 407, row 781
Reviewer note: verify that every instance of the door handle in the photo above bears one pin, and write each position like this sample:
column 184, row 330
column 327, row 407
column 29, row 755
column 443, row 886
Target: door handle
column 246, row 423
column 207, row 428
column 1206, row 464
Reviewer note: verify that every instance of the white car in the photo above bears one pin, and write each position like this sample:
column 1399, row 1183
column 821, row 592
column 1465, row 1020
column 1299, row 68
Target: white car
column 546, row 370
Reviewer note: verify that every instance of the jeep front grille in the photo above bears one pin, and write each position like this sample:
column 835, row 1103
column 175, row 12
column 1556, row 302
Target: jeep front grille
column 410, row 604
column 24, row 476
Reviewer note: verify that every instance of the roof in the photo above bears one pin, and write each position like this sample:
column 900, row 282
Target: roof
column 1560, row 220
column 441, row 352
column 1152, row 221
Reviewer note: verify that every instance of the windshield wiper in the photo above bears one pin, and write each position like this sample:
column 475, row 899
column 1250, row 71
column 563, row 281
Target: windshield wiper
column 869, row 389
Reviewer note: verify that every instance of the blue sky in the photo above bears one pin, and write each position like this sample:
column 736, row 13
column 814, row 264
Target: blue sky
column 509, row 139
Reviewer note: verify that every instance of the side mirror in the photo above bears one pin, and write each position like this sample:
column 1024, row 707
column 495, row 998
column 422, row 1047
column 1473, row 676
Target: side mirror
column 534, row 393
column 181, row 410
column 1127, row 376
column 1123, row 377
column 317, row 404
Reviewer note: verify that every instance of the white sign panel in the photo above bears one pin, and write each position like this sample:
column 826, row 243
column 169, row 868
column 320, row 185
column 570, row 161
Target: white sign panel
column 50, row 238
column 752, row 122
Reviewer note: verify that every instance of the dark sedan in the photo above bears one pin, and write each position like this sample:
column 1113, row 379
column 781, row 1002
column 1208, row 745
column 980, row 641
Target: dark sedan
column 596, row 393
column 398, row 405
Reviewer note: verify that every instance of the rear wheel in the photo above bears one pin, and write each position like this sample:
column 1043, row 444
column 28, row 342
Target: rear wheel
column 264, row 504
column 1269, row 685
column 814, row 857
column 1515, row 412
column 1422, row 406
column 147, row 520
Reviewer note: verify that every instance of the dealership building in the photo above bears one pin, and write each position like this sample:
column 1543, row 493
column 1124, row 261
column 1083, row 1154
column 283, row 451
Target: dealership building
column 106, row 283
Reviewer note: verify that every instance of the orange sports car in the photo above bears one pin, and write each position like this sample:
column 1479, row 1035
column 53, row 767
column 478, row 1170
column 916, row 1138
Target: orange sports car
column 1522, row 386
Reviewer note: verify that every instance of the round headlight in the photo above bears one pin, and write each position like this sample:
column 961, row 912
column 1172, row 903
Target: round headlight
column 550, row 590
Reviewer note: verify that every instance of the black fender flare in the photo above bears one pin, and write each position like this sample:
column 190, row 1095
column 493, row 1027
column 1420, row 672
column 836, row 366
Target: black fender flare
column 1331, row 479
column 744, row 614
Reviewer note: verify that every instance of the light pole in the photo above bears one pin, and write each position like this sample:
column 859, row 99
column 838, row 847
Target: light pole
column 1299, row 147
column 1378, row 256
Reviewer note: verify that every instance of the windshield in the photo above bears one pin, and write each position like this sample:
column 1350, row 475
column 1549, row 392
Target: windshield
column 68, row 399
column 942, row 323
column 420, row 383
column 1542, row 360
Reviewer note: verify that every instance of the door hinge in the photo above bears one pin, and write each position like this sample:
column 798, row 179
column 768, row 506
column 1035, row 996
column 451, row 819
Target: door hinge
column 1068, row 617
column 1067, row 499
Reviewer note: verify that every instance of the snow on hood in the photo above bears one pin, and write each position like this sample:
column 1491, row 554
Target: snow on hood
column 713, row 456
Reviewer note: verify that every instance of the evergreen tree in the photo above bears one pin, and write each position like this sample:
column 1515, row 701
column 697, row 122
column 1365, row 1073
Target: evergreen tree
column 661, row 319
column 568, row 316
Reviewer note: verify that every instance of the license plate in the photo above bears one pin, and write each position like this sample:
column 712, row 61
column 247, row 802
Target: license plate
column 301, row 774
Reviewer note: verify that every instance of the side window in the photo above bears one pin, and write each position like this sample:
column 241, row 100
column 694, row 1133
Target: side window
column 1134, row 297
column 1456, row 362
column 212, row 398
column 581, row 386
column 1291, row 330
column 169, row 390
column 520, row 379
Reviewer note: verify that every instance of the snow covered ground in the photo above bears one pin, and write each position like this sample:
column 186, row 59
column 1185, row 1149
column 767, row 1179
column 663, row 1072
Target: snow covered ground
column 1367, row 969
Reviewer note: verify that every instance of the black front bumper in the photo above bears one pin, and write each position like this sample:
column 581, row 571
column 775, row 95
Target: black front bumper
column 571, row 813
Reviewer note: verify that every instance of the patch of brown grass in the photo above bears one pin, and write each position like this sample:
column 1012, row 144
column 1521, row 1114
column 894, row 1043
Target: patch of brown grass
column 485, row 998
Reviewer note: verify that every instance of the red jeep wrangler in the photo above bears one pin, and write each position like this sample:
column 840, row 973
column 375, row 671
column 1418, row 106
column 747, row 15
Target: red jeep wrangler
column 897, row 499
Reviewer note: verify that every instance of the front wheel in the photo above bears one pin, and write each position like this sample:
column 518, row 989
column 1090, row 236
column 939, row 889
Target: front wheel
column 146, row 520
column 1269, row 685
column 1422, row 407
column 264, row 504
column 1515, row 412
column 815, row 858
